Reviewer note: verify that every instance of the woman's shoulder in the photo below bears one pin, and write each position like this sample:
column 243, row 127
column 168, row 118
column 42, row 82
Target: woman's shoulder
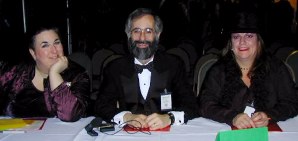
column 221, row 64
column 274, row 66
column 10, row 71
column 275, row 63
column 8, row 67
column 168, row 60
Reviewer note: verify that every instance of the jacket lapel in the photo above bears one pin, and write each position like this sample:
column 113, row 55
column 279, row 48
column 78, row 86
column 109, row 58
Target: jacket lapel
column 159, row 77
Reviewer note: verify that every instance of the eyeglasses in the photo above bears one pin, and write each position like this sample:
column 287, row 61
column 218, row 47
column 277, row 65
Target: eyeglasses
column 137, row 32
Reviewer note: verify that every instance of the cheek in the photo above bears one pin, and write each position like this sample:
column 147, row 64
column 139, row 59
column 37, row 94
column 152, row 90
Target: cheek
column 234, row 44
column 254, row 45
column 135, row 39
column 60, row 49
column 255, row 49
column 41, row 53
column 150, row 38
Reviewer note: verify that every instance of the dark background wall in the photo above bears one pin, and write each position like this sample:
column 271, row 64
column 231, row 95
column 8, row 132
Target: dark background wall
column 12, row 25
column 98, row 24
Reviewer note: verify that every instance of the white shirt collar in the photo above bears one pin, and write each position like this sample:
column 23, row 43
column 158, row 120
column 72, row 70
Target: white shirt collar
column 136, row 61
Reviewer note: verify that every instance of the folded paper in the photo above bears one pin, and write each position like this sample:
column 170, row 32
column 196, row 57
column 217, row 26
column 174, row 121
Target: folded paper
column 20, row 124
column 6, row 124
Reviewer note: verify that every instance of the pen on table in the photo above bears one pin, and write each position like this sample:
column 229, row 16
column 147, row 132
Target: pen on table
column 13, row 131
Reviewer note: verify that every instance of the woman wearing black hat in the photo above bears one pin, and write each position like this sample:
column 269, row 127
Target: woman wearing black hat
column 246, row 87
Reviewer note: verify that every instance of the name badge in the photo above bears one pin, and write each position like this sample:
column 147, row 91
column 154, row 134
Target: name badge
column 166, row 101
column 249, row 110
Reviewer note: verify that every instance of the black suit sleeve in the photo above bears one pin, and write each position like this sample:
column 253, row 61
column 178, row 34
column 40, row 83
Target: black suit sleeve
column 183, row 96
column 106, row 103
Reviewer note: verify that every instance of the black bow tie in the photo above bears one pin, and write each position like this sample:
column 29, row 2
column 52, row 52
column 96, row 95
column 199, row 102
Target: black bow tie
column 139, row 68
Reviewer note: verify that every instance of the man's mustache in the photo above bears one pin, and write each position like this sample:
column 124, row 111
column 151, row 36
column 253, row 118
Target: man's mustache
column 142, row 42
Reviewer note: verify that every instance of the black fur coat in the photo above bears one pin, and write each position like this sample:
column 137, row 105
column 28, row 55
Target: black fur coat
column 272, row 90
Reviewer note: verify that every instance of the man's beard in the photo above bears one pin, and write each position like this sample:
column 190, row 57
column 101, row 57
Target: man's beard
column 142, row 53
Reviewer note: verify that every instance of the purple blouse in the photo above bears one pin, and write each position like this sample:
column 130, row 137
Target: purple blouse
column 20, row 98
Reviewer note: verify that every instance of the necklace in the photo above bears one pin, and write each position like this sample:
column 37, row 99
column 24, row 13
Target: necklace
column 243, row 68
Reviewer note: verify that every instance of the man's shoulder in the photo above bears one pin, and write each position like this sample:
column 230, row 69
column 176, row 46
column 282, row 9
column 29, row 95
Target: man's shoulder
column 164, row 61
column 168, row 58
column 122, row 63
column 276, row 64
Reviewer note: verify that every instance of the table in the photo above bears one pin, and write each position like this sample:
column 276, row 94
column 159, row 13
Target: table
column 196, row 129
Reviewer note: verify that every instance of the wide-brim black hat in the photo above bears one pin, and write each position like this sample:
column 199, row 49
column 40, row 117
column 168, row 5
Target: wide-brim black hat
column 244, row 22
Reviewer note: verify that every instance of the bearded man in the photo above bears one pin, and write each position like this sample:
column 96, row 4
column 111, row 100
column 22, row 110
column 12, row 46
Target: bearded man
column 147, row 88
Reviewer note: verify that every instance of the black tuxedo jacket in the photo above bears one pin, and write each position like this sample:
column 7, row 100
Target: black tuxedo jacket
column 120, row 89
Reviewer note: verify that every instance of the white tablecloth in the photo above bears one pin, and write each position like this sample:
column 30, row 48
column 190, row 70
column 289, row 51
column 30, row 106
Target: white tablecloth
column 197, row 129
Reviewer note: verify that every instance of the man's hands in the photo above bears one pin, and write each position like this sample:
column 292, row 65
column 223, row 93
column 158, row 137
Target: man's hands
column 154, row 121
column 136, row 120
column 157, row 121
column 258, row 119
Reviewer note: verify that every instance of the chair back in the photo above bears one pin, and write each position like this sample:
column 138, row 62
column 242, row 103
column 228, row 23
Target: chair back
column 191, row 53
column 281, row 49
column 83, row 60
column 201, row 69
column 292, row 61
column 98, row 59
column 182, row 55
column 110, row 59
column 117, row 48
column 98, row 81
column 291, row 71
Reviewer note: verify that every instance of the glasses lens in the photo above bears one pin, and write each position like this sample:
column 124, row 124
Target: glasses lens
column 136, row 32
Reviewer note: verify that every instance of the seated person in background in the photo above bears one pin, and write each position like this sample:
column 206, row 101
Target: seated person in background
column 139, row 94
column 49, row 86
column 246, row 87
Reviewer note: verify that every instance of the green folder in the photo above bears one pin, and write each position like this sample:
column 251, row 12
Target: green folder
column 252, row 134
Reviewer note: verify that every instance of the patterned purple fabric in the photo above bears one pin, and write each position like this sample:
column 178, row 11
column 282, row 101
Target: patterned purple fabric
column 19, row 97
